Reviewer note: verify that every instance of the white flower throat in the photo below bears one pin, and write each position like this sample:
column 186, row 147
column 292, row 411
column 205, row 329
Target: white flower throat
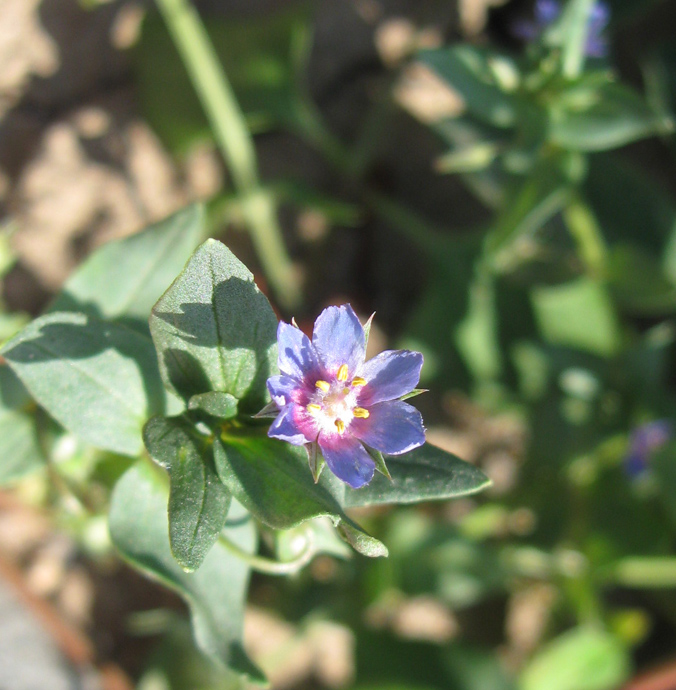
column 334, row 404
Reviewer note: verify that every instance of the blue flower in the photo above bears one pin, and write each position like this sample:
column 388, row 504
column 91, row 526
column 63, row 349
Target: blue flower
column 328, row 397
column 548, row 11
column 643, row 442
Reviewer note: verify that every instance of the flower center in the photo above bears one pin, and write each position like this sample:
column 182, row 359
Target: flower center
column 334, row 403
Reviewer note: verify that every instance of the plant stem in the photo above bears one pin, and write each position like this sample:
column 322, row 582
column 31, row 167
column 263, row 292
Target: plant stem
column 235, row 142
column 269, row 566
column 645, row 572
column 587, row 234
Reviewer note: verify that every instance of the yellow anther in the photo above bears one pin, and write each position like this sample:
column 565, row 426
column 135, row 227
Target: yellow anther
column 313, row 409
column 360, row 412
column 340, row 425
column 323, row 386
column 358, row 381
column 342, row 373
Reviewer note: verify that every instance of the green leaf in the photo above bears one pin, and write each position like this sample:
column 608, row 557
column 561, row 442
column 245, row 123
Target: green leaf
column 198, row 501
column 98, row 379
column 126, row 277
column 215, row 403
column 20, row 452
column 214, row 330
column 473, row 74
column 273, row 481
column 565, row 314
column 638, row 282
column 215, row 593
column 424, row 474
column 581, row 659
column 598, row 119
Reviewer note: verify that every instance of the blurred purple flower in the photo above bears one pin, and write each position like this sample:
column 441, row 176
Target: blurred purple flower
column 328, row 396
column 548, row 11
column 643, row 442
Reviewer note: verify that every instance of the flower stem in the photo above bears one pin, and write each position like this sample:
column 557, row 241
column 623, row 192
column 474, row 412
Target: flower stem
column 235, row 142
column 268, row 565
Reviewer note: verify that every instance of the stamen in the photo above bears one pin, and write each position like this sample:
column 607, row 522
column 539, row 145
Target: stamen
column 340, row 425
column 313, row 409
column 360, row 412
column 358, row 381
column 323, row 386
column 342, row 373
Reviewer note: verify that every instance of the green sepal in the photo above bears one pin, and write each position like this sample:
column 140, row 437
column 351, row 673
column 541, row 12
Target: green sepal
column 367, row 329
column 413, row 393
column 315, row 460
column 379, row 459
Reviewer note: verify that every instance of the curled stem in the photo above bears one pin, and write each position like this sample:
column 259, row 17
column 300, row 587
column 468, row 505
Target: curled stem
column 269, row 566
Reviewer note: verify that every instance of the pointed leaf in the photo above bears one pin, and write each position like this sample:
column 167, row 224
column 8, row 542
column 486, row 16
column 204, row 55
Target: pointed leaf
column 214, row 330
column 470, row 72
column 98, row 379
column 598, row 119
column 198, row 501
column 216, row 593
column 272, row 480
column 425, row 474
column 126, row 277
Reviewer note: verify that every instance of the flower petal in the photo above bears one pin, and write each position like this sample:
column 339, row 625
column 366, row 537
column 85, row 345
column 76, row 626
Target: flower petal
column 339, row 339
column 293, row 425
column 285, row 389
column 347, row 459
column 296, row 355
column 392, row 427
column 389, row 375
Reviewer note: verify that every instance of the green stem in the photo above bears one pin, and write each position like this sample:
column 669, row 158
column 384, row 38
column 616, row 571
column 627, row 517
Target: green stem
column 269, row 566
column 587, row 234
column 235, row 142
column 643, row 572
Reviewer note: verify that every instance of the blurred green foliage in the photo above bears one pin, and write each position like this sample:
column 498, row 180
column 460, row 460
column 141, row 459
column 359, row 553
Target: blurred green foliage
column 558, row 311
